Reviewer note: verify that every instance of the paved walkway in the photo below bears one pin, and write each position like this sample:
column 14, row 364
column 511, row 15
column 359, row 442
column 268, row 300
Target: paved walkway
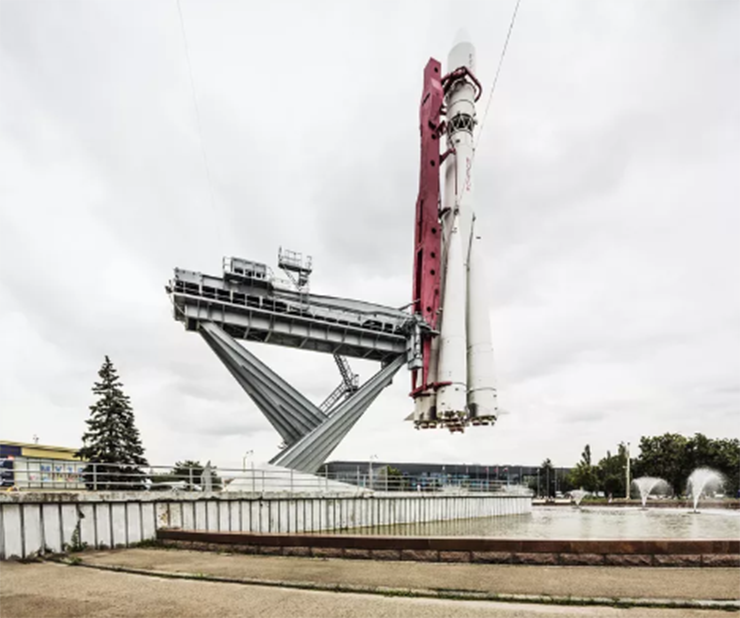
column 608, row 582
column 53, row 590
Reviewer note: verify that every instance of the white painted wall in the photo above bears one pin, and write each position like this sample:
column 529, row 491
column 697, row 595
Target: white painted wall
column 39, row 522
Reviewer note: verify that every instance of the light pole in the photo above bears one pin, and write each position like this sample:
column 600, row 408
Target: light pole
column 370, row 470
column 244, row 459
column 627, row 488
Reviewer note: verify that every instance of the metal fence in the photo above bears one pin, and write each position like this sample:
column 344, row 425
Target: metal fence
column 51, row 475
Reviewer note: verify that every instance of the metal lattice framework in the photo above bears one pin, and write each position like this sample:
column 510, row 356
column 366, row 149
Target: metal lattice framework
column 250, row 304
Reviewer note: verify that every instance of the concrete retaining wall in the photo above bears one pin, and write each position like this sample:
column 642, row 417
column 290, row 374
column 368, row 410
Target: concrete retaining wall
column 664, row 552
column 32, row 523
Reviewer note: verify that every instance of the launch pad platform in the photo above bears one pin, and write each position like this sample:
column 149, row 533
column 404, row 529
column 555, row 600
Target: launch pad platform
column 249, row 303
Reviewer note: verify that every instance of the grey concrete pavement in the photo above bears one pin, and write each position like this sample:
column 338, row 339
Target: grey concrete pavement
column 54, row 590
column 609, row 582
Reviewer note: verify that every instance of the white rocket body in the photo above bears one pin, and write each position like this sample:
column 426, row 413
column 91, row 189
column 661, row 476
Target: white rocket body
column 464, row 363
column 451, row 368
column 482, row 403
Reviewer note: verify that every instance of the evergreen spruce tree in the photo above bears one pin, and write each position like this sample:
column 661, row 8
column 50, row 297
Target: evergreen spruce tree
column 112, row 441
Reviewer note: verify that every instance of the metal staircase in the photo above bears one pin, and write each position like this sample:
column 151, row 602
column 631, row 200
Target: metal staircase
column 349, row 385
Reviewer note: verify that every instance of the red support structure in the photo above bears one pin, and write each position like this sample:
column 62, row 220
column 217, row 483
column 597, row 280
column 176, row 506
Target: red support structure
column 427, row 236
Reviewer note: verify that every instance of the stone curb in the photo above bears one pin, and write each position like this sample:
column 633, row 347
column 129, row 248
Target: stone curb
column 535, row 558
column 462, row 595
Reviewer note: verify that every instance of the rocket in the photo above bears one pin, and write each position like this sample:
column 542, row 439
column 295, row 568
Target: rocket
column 450, row 351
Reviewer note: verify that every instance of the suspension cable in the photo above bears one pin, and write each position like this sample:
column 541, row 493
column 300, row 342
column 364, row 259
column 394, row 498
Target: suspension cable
column 498, row 71
column 198, row 124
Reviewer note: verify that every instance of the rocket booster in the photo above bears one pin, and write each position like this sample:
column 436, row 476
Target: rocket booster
column 452, row 369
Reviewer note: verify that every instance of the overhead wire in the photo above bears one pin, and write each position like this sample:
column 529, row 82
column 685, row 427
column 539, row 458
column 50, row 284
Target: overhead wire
column 498, row 71
column 199, row 125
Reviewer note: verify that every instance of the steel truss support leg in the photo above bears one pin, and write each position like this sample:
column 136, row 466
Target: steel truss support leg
column 310, row 434
column 289, row 412
column 312, row 450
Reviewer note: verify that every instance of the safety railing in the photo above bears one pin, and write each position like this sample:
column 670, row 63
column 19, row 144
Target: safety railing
column 23, row 474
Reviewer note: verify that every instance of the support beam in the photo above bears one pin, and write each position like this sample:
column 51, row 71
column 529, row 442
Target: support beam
column 312, row 450
column 290, row 413
column 310, row 434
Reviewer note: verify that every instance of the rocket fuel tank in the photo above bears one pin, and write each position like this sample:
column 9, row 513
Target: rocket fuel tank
column 460, row 386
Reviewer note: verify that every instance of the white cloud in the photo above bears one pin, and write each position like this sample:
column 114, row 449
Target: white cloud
column 606, row 187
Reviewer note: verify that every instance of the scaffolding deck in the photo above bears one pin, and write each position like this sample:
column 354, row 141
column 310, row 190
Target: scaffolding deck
column 257, row 310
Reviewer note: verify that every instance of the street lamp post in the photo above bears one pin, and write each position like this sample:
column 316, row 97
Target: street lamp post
column 249, row 453
column 244, row 460
column 370, row 470
column 627, row 488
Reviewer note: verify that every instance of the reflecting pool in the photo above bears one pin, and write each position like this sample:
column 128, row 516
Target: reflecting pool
column 568, row 522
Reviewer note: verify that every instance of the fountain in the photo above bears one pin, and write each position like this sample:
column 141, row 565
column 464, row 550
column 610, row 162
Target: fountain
column 701, row 480
column 646, row 484
column 578, row 495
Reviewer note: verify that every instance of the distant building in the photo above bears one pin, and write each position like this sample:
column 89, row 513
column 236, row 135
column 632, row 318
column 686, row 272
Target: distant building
column 429, row 475
column 38, row 466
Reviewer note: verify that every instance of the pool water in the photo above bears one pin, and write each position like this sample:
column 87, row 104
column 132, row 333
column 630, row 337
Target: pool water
column 569, row 522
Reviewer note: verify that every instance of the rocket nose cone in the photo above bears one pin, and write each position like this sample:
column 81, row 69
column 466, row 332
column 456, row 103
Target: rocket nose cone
column 462, row 52
column 462, row 36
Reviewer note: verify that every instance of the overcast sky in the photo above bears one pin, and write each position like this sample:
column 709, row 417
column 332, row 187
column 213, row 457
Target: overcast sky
column 607, row 188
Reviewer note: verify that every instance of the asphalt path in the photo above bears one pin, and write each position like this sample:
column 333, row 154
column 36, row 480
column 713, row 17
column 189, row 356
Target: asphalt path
column 559, row 581
column 56, row 590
